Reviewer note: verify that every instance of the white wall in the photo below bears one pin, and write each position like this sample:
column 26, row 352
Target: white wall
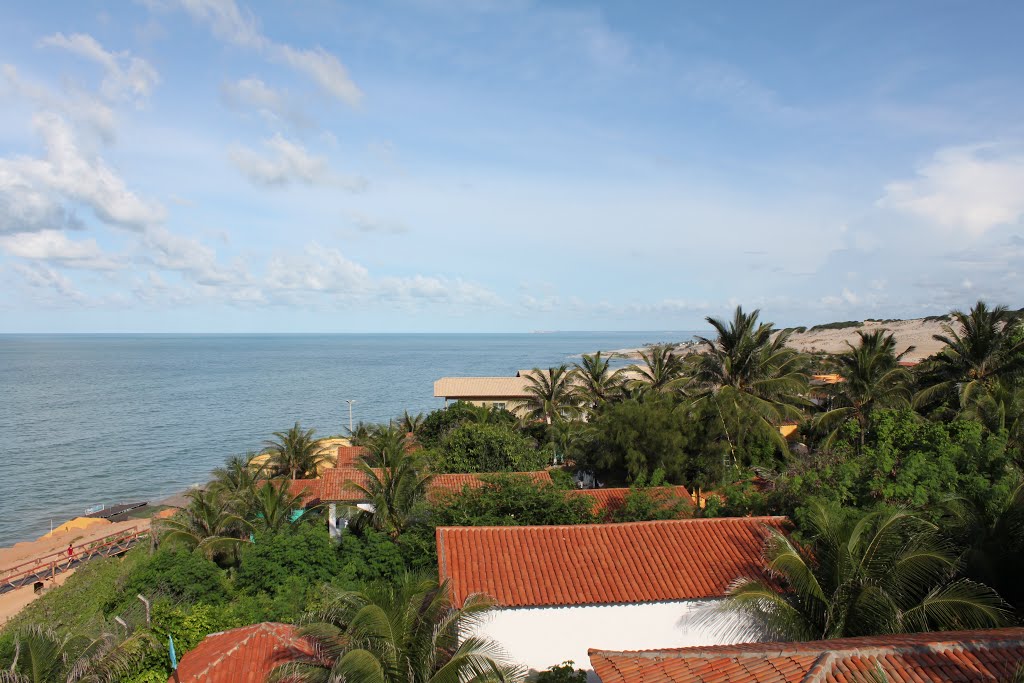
column 540, row 637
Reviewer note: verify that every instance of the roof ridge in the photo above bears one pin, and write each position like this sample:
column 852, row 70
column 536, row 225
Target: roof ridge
column 656, row 522
column 953, row 640
column 821, row 668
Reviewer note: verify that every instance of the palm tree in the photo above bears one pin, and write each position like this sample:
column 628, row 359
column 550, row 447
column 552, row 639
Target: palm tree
column 551, row 395
column 992, row 531
column 273, row 505
column 999, row 409
column 41, row 655
column 596, row 382
column 410, row 424
column 394, row 493
column 407, row 631
column 386, row 444
column 750, row 376
column 238, row 478
column 982, row 346
column 882, row 572
column 662, row 370
column 296, row 453
column 872, row 378
column 211, row 524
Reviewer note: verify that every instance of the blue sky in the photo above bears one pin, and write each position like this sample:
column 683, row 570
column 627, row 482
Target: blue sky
column 489, row 165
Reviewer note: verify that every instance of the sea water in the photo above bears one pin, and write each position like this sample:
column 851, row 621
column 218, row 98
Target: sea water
column 101, row 419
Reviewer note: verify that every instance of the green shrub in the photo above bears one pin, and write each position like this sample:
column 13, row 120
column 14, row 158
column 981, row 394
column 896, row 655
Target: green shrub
column 305, row 553
column 562, row 673
column 176, row 574
column 473, row 447
column 512, row 500
column 440, row 422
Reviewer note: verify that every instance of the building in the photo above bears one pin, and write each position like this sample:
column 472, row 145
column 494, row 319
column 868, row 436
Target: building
column 561, row 590
column 496, row 392
column 990, row 656
column 242, row 655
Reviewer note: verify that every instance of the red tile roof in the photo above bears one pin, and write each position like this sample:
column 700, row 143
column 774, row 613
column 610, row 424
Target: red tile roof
column 242, row 655
column 606, row 501
column 336, row 484
column 348, row 456
column 992, row 655
column 602, row 563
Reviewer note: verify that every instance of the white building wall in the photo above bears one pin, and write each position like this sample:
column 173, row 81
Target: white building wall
column 540, row 637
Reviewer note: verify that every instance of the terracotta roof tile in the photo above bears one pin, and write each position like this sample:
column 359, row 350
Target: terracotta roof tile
column 990, row 656
column 602, row 563
column 607, row 501
column 349, row 456
column 242, row 655
column 337, row 484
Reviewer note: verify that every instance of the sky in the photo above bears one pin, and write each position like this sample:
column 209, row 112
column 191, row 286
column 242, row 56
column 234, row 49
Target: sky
column 505, row 165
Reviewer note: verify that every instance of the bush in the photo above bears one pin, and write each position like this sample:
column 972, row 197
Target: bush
column 475, row 447
column 562, row 673
column 368, row 555
column 176, row 574
column 512, row 500
column 440, row 422
column 646, row 503
column 304, row 553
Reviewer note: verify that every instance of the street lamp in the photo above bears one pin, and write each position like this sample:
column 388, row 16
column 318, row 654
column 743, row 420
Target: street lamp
column 350, row 402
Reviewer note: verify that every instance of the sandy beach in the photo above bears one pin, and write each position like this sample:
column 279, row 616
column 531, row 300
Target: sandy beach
column 916, row 332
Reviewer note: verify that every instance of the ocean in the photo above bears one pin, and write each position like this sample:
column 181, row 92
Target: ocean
column 102, row 419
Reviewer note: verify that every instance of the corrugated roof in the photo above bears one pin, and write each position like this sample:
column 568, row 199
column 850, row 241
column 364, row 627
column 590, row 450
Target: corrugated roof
column 606, row 501
column 481, row 387
column 602, row 563
column 242, row 655
column 992, row 655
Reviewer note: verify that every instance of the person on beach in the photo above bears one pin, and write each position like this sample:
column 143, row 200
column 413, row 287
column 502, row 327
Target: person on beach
column 71, row 552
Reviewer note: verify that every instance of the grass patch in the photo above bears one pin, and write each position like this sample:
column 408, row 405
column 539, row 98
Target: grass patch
column 837, row 326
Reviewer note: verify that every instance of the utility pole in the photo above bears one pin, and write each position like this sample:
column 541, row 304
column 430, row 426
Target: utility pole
column 350, row 402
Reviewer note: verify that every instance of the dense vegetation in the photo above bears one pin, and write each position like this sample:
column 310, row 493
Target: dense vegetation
column 920, row 467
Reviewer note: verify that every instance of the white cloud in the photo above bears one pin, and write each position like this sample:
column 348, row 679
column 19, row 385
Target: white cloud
column 364, row 223
column 287, row 162
column 317, row 269
column 50, row 281
column 72, row 104
column 31, row 189
column 127, row 77
column 169, row 251
column 54, row 247
column 971, row 188
column 234, row 25
column 270, row 103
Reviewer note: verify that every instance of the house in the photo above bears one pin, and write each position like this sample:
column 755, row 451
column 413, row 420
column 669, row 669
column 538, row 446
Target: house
column 242, row 655
column 561, row 590
column 496, row 392
column 990, row 656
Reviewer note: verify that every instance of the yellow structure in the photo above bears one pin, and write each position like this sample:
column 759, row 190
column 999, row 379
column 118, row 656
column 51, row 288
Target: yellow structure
column 77, row 524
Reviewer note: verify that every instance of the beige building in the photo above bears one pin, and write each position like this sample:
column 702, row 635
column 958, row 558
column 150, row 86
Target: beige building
column 499, row 392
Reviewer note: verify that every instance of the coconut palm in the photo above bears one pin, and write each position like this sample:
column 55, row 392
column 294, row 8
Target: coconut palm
column 238, row 478
column 211, row 524
column 41, row 655
column 882, row 572
column 872, row 378
column 992, row 531
column 295, row 453
column 394, row 493
column 551, row 395
column 410, row 424
column 981, row 346
column 406, row 631
column 384, row 445
column 749, row 375
column 662, row 369
column 596, row 382
column 1001, row 409
column 272, row 506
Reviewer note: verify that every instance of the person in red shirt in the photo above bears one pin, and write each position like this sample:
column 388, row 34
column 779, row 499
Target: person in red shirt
column 71, row 551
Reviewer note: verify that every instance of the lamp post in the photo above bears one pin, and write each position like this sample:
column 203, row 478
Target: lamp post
column 350, row 402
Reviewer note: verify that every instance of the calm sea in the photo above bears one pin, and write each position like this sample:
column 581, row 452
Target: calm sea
column 89, row 419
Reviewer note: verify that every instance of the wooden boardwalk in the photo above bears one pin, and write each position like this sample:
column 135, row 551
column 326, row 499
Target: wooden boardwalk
column 48, row 566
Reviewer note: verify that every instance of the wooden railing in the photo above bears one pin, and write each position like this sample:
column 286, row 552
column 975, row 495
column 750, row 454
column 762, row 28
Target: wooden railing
column 48, row 566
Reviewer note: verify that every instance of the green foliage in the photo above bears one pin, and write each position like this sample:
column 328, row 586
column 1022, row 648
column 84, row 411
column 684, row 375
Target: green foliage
column 438, row 423
column 843, row 325
column 176, row 574
column 652, row 500
column 511, row 500
column 635, row 437
column 562, row 673
column 561, row 479
column 368, row 555
column 305, row 554
column 474, row 447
